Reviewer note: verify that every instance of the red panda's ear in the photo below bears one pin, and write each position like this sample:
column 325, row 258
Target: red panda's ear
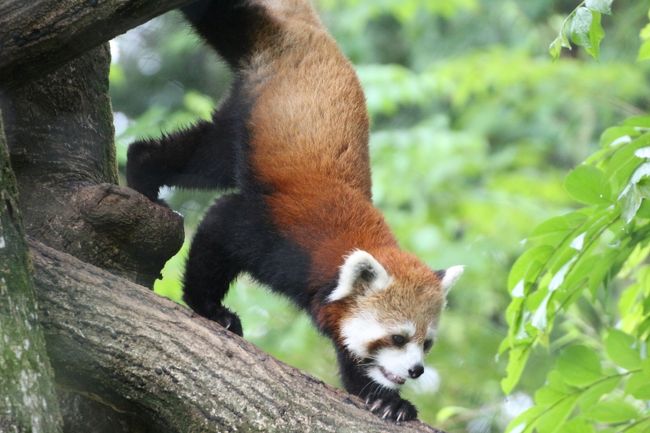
column 450, row 276
column 360, row 270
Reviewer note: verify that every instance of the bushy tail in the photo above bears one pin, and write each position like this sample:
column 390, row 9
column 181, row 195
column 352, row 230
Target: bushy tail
column 231, row 27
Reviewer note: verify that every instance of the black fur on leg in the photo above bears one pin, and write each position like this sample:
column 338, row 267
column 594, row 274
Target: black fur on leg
column 236, row 236
column 207, row 155
column 229, row 26
column 228, row 320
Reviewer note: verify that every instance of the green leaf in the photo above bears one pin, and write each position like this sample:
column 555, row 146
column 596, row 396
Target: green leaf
column 593, row 393
column 622, row 349
column 528, row 265
column 554, row 390
column 588, row 185
column 644, row 52
column 558, row 43
column 517, row 358
column 602, row 6
column 450, row 411
column 554, row 230
column 611, row 411
column 638, row 386
column 580, row 26
column 617, row 135
column 553, row 420
column 525, row 421
column 596, row 35
column 579, row 366
column 555, row 48
column 577, row 425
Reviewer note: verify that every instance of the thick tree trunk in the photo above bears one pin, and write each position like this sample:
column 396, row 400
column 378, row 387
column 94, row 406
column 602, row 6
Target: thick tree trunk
column 38, row 36
column 27, row 398
column 147, row 356
column 60, row 133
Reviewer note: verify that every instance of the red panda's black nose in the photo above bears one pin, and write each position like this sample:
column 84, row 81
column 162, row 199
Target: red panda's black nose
column 416, row 371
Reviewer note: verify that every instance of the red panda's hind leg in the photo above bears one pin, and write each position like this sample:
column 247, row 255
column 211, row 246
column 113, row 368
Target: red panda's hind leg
column 175, row 160
column 205, row 156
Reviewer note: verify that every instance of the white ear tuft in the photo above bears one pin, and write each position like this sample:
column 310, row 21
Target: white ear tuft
column 360, row 267
column 450, row 277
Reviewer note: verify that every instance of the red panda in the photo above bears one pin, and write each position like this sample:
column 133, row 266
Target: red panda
column 291, row 139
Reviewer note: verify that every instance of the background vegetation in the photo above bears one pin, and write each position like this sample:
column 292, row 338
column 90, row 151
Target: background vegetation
column 475, row 128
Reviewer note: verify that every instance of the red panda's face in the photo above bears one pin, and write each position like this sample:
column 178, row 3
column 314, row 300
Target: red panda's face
column 394, row 303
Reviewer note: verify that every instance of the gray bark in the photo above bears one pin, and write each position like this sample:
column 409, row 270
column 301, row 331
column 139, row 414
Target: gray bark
column 60, row 133
column 37, row 36
column 28, row 400
column 148, row 357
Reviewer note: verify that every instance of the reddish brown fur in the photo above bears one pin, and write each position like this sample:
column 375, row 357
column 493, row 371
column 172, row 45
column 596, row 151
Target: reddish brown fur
column 310, row 146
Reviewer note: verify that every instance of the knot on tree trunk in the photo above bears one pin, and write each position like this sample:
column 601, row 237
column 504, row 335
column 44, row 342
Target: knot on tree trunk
column 130, row 230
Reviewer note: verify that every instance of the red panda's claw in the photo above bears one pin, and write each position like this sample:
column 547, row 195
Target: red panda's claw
column 228, row 320
column 392, row 408
column 376, row 405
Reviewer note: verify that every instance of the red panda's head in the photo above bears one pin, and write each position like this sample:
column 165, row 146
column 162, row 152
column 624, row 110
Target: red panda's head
column 392, row 305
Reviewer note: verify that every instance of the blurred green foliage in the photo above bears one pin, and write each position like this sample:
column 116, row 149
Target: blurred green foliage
column 474, row 129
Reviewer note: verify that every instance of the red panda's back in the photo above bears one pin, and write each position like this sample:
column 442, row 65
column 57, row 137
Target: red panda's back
column 309, row 117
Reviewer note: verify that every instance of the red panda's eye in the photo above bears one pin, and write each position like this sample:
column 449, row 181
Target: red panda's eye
column 427, row 344
column 398, row 340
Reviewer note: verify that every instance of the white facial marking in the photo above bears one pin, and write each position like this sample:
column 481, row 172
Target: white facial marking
column 407, row 329
column 377, row 376
column 451, row 276
column 351, row 271
column 359, row 331
column 398, row 360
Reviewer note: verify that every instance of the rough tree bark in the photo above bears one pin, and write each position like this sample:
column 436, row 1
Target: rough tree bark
column 60, row 132
column 28, row 399
column 37, row 36
column 145, row 363
column 145, row 355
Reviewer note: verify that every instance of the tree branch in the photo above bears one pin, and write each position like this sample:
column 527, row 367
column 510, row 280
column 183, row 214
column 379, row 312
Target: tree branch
column 37, row 36
column 147, row 355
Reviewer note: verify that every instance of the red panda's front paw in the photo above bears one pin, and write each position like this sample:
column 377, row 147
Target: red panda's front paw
column 228, row 320
column 392, row 407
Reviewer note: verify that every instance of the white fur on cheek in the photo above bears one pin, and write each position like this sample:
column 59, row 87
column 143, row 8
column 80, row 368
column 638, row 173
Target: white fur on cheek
column 399, row 360
column 350, row 271
column 359, row 331
column 376, row 375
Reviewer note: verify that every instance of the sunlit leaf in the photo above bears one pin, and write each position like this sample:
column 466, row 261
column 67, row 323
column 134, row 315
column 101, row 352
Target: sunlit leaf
column 578, row 425
column 594, row 392
column 517, row 358
column 611, row 411
column 622, row 349
column 554, row 418
column 579, row 365
column 580, row 25
column 588, row 184
column 602, row 6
